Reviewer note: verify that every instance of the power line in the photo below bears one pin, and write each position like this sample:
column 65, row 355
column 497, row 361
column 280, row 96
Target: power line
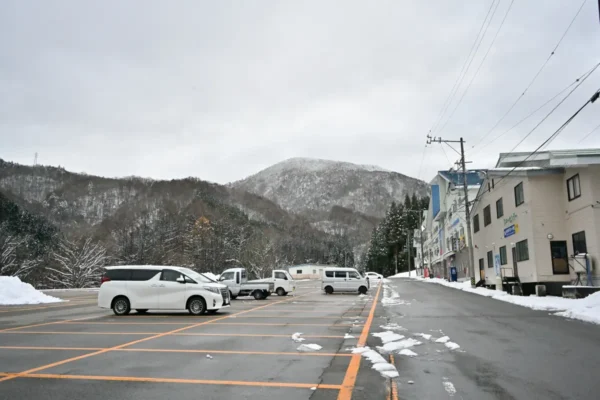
column 586, row 136
column 447, row 158
column 539, row 108
column 553, row 136
column 460, row 76
column 421, row 164
column 534, row 77
column 555, row 107
column 481, row 63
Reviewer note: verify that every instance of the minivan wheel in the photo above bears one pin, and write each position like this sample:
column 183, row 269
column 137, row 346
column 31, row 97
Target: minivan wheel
column 143, row 311
column 196, row 306
column 121, row 306
column 281, row 292
column 328, row 289
column 258, row 295
column 362, row 290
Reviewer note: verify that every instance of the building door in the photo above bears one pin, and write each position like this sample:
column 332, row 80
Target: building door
column 481, row 269
column 560, row 260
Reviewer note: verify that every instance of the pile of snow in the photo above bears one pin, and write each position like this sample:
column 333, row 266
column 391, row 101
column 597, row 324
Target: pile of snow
column 407, row 274
column 425, row 336
column 408, row 353
column 388, row 336
column 380, row 364
column 399, row 345
column 443, row 339
column 309, row 347
column 587, row 309
column 296, row 337
column 13, row 292
column 391, row 297
column 392, row 327
column 452, row 345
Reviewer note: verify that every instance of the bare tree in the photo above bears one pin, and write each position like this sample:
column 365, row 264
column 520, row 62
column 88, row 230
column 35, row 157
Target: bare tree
column 79, row 266
column 10, row 263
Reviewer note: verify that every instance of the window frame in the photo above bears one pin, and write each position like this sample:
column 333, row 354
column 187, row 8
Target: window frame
column 503, row 260
column 336, row 273
column 522, row 190
column 574, row 178
column 518, row 250
column 476, row 223
column 566, row 271
column 298, row 272
column 487, row 216
column 573, row 241
column 501, row 213
column 490, row 259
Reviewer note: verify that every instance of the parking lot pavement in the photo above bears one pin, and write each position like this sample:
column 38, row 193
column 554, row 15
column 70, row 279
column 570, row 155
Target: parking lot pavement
column 75, row 349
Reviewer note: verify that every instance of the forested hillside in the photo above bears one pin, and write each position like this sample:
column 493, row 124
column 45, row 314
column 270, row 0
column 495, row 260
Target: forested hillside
column 90, row 221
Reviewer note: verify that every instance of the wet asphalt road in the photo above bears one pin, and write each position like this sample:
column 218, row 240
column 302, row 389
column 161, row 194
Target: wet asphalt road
column 506, row 351
column 76, row 350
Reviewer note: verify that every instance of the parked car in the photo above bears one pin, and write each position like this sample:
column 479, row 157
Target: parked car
column 283, row 281
column 236, row 280
column 147, row 287
column 343, row 280
column 374, row 276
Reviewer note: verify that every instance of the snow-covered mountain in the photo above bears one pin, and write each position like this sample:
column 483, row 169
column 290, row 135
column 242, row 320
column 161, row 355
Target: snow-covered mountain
column 303, row 185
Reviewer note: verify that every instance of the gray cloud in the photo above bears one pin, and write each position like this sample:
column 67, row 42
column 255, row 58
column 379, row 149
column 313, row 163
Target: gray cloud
column 222, row 89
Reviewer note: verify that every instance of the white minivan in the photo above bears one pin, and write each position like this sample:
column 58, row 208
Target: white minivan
column 150, row 287
column 336, row 279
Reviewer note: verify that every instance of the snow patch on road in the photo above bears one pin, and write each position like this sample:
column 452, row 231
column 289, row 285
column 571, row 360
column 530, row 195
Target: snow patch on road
column 348, row 336
column 15, row 292
column 391, row 297
column 443, row 339
column 408, row 353
column 309, row 347
column 452, row 345
column 296, row 337
column 388, row 336
column 425, row 336
column 449, row 387
column 402, row 344
column 393, row 327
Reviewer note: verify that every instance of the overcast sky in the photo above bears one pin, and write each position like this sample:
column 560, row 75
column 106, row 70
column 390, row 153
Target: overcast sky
column 222, row 89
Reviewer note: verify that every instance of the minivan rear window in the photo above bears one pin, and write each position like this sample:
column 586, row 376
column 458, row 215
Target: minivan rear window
column 143, row 274
column 119, row 274
column 329, row 274
column 340, row 274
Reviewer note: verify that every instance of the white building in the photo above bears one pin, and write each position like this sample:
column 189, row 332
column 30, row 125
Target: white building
column 534, row 214
column 307, row 271
column 445, row 243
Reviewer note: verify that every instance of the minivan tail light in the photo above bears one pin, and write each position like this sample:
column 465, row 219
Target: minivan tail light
column 104, row 279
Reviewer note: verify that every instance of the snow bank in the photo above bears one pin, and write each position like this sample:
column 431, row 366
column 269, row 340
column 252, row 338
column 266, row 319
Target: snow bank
column 587, row 309
column 404, row 275
column 13, row 292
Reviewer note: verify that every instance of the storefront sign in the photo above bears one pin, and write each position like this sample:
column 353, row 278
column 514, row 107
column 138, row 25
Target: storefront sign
column 510, row 219
column 511, row 230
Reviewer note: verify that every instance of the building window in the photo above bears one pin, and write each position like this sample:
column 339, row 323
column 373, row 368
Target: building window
column 519, row 196
column 579, row 245
column 522, row 251
column 490, row 257
column 487, row 216
column 499, row 208
column 314, row 271
column 503, row 257
column 573, row 187
column 299, row 271
column 476, row 223
column 560, row 260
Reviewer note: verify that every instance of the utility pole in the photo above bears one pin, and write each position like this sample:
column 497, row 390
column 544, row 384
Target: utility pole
column 421, row 240
column 408, row 251
column 466, row 195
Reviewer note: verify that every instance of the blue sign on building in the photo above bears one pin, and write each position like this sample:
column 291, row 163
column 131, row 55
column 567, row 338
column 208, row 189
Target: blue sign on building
column 511, row 230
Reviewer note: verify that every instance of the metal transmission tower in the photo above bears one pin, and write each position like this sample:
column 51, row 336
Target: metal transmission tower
column 466, row 194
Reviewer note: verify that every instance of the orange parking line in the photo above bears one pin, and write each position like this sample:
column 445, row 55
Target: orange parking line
column 35, row 325
column 174, row 334
column 46, row 366
column 394, row 394
column 174, row 380
column 280, row 324
column 268, row 353
column 352, row 371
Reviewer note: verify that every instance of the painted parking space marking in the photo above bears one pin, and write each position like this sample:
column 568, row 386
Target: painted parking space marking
column 225, row 334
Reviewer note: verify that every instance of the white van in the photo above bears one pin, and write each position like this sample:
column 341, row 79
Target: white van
column 336, row 279
column 149, row 287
